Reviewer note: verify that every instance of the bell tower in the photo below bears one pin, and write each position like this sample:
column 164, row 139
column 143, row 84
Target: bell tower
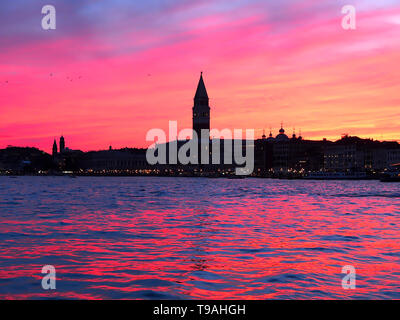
column 201, row 109
column 62, row 144
column 54, row 148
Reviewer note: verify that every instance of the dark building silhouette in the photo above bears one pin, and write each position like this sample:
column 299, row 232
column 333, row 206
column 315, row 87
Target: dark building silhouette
column 18, row 160
column 201, row 109
column 123, row 161
column 297, row 156
column 274, row 156
column 62, row 144
column 281, row 154
column 55, row 148
column 355, row 154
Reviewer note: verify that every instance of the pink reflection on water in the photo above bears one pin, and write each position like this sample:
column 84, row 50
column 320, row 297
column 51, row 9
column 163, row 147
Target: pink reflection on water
column 151, row 238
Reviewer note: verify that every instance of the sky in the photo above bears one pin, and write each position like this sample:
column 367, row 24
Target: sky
column 114, row 69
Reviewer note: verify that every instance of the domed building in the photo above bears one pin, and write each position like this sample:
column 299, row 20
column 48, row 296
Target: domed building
column 264, row 136
column 270, row 137
column 282, row 136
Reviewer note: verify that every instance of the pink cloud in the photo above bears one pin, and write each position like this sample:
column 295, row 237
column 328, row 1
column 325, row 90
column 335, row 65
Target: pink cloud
column 315, row 76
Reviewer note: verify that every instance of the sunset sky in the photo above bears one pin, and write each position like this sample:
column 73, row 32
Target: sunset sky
column 112, row 70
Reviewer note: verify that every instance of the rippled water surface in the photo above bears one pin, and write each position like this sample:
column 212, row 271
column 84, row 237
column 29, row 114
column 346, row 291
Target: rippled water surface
column 186, row 238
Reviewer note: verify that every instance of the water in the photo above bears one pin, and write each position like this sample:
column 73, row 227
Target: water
column 198, row 238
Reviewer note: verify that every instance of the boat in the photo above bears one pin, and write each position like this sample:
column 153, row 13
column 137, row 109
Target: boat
column 391, row 177
column 234, row 176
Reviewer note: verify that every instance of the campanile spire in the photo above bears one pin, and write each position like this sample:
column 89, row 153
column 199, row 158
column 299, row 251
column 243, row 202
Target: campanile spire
column 201, row 108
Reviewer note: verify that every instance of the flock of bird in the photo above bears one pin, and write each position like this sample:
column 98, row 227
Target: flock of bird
column 70, row 79
column 51, row 75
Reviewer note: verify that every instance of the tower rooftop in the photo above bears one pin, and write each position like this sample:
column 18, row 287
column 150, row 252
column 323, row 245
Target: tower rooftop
column 201, row 92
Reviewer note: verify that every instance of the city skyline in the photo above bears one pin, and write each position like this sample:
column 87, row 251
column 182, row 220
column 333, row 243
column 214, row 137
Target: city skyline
column 264, row 63
column 201, row 120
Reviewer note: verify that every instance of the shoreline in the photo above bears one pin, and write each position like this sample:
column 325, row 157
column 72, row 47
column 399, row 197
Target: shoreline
column 229, row 177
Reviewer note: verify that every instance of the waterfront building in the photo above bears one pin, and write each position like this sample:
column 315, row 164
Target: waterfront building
column 273, row 156
column 127, row 160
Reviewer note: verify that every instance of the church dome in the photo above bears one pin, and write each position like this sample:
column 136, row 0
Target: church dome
column 282, row 136
column 270, row 137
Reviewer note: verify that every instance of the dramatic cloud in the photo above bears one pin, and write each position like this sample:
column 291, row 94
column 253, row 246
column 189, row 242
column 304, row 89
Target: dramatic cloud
column 114, row 69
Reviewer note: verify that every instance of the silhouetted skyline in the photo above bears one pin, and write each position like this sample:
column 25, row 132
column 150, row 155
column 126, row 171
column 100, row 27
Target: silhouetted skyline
column 201, row 118
column 103, row 80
